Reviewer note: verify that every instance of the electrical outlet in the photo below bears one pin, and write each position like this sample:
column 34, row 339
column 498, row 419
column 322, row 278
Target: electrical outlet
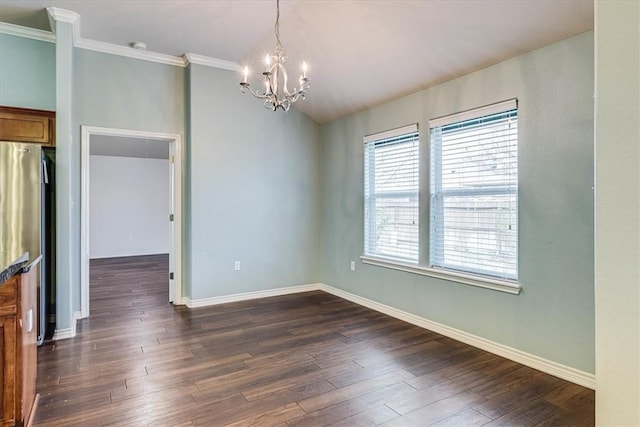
column 353, row 266
column 236, row 265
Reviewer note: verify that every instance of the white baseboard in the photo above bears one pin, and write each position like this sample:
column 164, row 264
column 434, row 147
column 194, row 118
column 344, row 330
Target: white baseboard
column 556, row 369
column 61, row 334
column 568, row 373
column 206, row 302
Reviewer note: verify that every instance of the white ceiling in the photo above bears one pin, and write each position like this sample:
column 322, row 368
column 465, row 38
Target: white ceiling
column 360, row 52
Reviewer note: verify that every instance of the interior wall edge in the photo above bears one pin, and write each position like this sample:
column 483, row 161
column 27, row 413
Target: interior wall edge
column 64, row 333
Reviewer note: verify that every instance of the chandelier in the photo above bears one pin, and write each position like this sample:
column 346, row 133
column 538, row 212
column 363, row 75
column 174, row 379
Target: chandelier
column 276, row 93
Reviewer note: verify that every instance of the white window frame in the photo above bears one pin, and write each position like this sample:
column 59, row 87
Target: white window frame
column 399, row 139
column 493, row 283
column 505, row 264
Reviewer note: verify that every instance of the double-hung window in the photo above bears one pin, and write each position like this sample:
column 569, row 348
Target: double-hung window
column 391, row 195
column 474, row 192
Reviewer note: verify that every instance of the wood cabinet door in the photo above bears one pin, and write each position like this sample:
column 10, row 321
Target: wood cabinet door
column 8, row 355
column 9, row 297
column 24, row 125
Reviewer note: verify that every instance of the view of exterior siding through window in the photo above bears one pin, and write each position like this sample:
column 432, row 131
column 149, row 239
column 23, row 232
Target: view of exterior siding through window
column 474, row 195
column 391, row 194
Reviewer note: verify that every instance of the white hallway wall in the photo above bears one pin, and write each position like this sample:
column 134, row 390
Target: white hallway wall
column 129, row 206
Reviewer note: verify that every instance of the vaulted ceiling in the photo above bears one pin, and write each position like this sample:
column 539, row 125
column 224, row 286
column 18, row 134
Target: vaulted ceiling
column 360, row 52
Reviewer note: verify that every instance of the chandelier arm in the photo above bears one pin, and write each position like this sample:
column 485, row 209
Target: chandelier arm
column 285, row 79
column 254, row 93
column 294, row 97
column 273, row 78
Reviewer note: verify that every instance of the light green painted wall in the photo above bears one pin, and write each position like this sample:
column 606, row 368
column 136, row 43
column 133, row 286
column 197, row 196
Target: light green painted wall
column 617, row 207
column 187, row 230
column 118, row 92
column 254, row 191
column 67, row 178
column 553, row 317
column 27, row 73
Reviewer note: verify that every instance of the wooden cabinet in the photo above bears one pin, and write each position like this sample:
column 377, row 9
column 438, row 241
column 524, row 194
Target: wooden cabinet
column 18, row 330
column 8, row 354
column 25, row 125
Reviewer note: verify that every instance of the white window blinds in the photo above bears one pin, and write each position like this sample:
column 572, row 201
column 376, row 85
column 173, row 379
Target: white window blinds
column 474, row 191
column 391, row 194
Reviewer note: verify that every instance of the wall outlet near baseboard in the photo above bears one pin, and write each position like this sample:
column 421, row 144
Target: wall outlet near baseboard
column 236, row 265
column 353, row 266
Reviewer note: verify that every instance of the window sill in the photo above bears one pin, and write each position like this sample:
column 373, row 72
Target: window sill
column 467, row 279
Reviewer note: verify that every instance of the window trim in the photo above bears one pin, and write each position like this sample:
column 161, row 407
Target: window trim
column 475, row 113
column 391, row 133
column 507, row 286
column 513, row 287
column 369, row 202
column 487, row 110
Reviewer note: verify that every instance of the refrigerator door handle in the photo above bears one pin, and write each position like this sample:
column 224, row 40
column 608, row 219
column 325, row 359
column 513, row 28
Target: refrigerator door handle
column 45, row 172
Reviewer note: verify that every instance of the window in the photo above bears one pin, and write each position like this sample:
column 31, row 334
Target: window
column 474, row 192
column 391, row 194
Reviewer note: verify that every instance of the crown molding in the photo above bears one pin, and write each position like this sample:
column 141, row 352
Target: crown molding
column 129, row 52
column 63, row 15
column 192, row 58
column 27, row 33
column 67, row 16
column 57, row 14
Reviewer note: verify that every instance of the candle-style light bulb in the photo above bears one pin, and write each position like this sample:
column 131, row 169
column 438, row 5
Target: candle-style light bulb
column 304, row 70
column 246, row 75
column 267, row 62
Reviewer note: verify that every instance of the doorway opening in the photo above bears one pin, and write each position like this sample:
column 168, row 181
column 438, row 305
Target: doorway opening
column 103, row 144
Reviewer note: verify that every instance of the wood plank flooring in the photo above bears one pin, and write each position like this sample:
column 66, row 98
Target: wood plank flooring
column 308, row 359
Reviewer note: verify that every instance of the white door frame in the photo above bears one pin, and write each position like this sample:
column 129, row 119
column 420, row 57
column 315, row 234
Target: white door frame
column 175, row 245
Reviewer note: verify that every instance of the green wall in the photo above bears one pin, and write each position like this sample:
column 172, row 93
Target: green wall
column 254, row 191
column 120, row 92
column 67, row 178
column 125, row 93
column 27, row 73
column 246, row 186
column 553, row 317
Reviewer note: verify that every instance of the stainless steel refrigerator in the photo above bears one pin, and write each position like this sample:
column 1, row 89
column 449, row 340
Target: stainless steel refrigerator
column 25, row 214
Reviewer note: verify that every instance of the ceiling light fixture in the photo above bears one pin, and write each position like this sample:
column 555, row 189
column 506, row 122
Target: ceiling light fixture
column 276, row 93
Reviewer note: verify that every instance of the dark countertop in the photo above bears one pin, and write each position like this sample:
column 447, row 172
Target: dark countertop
column 13, row 262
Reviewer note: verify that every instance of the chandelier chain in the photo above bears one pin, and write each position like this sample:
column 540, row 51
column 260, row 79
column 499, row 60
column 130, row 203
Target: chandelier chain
column 277, row 27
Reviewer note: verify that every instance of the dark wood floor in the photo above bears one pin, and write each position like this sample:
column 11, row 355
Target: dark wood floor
column 308, row 359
